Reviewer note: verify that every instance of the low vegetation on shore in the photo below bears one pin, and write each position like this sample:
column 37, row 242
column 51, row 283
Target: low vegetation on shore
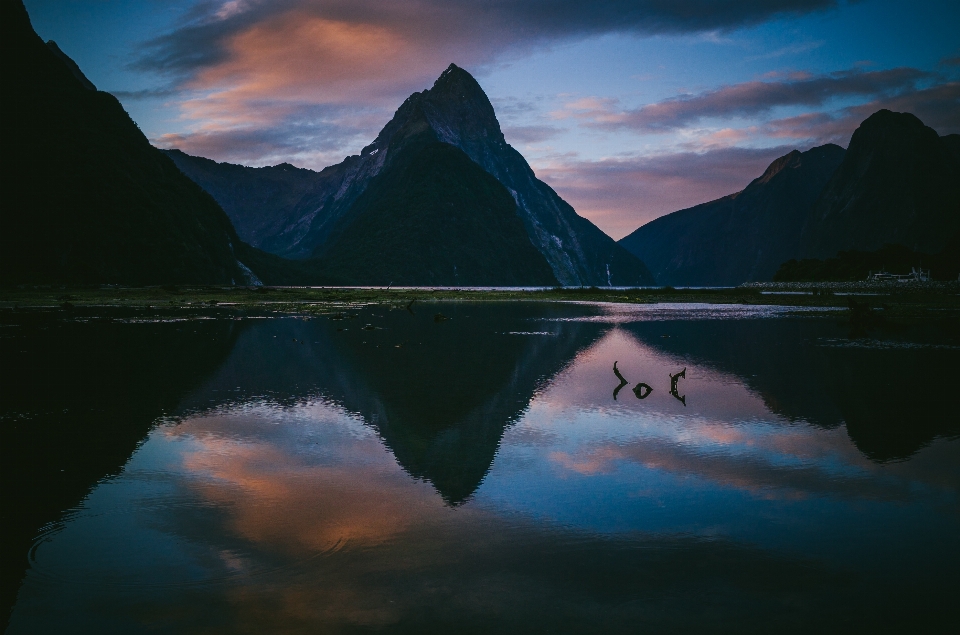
column 907, row 300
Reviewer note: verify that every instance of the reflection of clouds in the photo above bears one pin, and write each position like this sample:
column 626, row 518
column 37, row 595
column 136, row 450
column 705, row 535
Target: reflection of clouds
column 615, row 313
column 588, row 383
column 370, row 548
column 292, row 500
column 391, row 556
column 772, row 476
column 320, row 530
column 727, row 435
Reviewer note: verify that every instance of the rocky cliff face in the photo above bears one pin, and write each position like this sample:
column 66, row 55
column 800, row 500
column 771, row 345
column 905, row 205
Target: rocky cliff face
column 459, row 113
column 434, row 217
column 899, row 183
column 741, row 237
column 454, row 111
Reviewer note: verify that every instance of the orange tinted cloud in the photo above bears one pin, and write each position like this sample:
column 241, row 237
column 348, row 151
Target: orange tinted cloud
column 303, row 57
column 621, row 194
column 301, row 508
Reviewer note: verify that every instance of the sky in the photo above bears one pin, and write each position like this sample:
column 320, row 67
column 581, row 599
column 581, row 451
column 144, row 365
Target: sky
column 630, row 109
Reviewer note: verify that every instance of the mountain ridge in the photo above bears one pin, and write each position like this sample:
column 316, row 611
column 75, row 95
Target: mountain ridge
column 456, row 111
column 432, row 216
column 92, row 200
column 739, row 237
column 897, row 183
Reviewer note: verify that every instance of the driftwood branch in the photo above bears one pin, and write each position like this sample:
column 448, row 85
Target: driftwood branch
column 642, row 390
column 623, row 382
column 673, row 386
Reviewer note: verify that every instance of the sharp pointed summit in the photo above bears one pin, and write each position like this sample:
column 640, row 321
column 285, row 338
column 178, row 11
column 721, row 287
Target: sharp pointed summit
column 456, row 112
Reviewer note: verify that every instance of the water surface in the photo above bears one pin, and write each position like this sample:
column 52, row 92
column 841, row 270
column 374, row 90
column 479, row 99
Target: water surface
column 475, row 471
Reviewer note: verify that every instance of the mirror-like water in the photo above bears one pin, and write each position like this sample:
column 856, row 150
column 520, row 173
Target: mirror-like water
column 475, row 468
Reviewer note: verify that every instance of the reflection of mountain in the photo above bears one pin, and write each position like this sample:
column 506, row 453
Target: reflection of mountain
column 892, row 400
column 80, row 398
column 439, row 393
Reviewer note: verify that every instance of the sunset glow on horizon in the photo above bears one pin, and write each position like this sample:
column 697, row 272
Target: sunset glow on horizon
column 630, row 110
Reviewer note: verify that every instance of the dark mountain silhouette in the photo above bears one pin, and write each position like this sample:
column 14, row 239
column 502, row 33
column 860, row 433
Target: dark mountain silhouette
column 899, row 183
column 456, row 112
column 89, row 200
column 256, row 199
column 430, row 216
column 741, row 237
column 433, row 216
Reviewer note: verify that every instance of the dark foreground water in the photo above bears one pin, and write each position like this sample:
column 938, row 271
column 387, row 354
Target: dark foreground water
column 398, row 472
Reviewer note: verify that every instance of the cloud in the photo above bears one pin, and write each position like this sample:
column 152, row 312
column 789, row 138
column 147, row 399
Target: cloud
column 208, row 33
column 793, row 49
column 621, row 194
column 233, row 54
column 748, row 99
column 937, row 106
column 312, row 135
column 145, row 93
column 529, row 134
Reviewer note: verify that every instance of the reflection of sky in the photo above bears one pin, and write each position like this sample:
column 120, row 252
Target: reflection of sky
column 721, row 465
column 300, row 514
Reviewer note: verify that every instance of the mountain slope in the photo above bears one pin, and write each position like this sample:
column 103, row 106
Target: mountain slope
column 457, row 112
column 257, row 200
column 899, row 183
column 89, row 200
column 741, row 237
column 435, row 217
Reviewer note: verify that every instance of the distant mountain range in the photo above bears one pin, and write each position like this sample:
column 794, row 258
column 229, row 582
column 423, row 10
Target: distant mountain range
column 743, row 236
column 897, row 183
column 455, row 112
column 438, row 198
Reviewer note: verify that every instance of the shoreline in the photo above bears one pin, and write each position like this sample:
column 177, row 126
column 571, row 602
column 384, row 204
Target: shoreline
column 914, row 300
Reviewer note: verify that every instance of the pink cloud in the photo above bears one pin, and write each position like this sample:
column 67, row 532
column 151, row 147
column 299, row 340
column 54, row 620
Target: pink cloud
column 620, row 195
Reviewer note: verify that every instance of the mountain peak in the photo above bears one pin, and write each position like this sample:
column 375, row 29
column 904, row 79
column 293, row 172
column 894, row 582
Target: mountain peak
column 455, row 80
column 452, row 73
column 790, row 159
column 898, row 183
column 888, row 128
column 456, row 109
column 457, row 94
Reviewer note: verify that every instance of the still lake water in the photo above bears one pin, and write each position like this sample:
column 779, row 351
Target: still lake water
column 390, row 471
